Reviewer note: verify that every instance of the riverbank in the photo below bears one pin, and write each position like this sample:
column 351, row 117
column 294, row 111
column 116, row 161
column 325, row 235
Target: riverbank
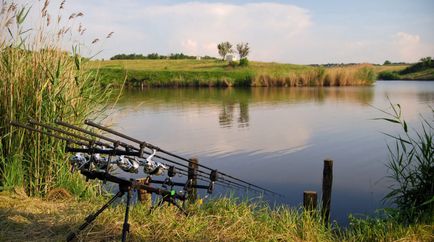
column 418, row 71
column 216, row 73
column 51, row 219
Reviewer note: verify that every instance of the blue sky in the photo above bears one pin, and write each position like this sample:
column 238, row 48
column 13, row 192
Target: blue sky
column 282, row 31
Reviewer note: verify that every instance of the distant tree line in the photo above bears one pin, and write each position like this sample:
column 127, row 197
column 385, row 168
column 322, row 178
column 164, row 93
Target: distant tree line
column 156, row 56
column 388, row 62
column 334, row 64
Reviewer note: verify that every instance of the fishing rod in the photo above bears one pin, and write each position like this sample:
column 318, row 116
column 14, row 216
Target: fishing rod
column 222, row 181
column 34, row 122
column 133, row 147
column 151, row 146
column 92, row 165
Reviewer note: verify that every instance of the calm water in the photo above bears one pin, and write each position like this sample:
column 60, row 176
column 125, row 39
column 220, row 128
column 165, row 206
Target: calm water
column 278, row 137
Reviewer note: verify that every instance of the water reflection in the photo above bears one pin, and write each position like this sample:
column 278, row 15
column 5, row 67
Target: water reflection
column 278, row 137
column 234, row 103
column 226, row 116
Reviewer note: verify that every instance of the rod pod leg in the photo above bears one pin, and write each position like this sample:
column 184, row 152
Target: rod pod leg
column 92, row 217
column 126, row 226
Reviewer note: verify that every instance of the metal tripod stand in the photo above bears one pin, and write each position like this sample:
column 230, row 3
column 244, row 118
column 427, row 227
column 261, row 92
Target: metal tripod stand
column 123, row 188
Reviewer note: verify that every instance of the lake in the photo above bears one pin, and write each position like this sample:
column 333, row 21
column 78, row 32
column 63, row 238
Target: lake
column 277, row 138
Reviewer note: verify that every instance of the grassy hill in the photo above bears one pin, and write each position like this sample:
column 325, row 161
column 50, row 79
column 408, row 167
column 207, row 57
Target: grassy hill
column 423, row 70
column 209, row 73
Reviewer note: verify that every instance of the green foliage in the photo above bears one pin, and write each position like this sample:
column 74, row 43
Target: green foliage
column 38, row 80
column 244, row 62
column 388, row 75
column 411, row 167
column 384, row 227
column 243, row 50
column 387, row 62
column 424, row 64
column 233, row 64
column 224, row 48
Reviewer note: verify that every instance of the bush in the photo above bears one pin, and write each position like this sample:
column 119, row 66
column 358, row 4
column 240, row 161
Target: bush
column 388, row 75
column 423, row 64
column 411, row 167
column 244, row 62
column 233, row 63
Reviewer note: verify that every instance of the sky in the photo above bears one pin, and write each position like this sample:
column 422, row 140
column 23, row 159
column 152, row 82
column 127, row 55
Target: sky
column 302, row 32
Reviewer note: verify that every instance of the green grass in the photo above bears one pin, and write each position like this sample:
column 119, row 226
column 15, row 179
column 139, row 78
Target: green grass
column 224, row 219
column 181, row 73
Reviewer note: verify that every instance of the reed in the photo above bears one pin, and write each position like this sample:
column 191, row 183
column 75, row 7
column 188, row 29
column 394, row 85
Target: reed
column 39, row 80
column 411, row 168
column 338, row 76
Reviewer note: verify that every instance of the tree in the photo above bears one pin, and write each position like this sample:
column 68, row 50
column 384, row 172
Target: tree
column 387, row 62
column 243, row 50
column 224, row 48
column 426, row 61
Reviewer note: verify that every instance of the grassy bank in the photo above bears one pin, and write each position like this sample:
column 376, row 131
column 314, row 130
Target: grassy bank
column 422, row 70
column 23, row 218
column 209, row 73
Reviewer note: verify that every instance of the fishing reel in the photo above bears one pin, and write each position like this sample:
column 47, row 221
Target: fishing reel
column 152, row 167
column 213, row 176
column 79, row 160
column 83, row 161
column 168, row 182
column 128, row 164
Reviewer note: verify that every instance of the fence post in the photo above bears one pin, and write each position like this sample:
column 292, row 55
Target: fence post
column 192, row 175
column 327, row 181
column 309, row 200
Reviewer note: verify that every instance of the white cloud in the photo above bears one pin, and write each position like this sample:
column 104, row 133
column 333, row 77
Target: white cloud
column 275, row 31
column 196, row 28
column 409, row 46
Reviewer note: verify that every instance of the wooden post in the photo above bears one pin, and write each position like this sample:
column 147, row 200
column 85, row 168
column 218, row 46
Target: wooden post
column 309, row 200
column 327, row 181
column 144, row 196
column 192, row 175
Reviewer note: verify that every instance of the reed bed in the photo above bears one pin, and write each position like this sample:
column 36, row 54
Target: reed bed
column 338, row 76
column 224, row 219
column 39, row 80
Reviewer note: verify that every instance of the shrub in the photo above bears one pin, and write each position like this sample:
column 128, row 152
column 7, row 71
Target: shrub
column 233, row 63
column 388, row 75
column 244, row 62
column 423, row 64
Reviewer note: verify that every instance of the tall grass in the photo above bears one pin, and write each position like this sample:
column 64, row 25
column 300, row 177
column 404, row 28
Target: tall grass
column 39, row 80
column 217, row 220
column 411, row 168
column 338, row 76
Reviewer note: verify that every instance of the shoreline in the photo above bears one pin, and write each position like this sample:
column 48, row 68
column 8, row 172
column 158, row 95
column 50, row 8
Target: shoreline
column 211, row 73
